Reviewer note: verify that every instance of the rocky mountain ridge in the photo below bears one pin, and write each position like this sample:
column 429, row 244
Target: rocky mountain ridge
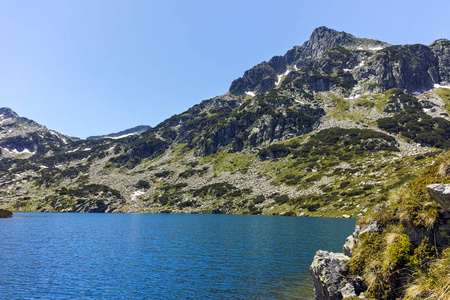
column 369, row 65
column 21, row 137
column 327, row 140
column 121, row 134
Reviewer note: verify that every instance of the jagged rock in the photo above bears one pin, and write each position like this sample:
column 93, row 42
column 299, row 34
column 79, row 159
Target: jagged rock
column 5, row 213
column 411, row 68
column 440, row 193
column 442, row 50
column 330, row 281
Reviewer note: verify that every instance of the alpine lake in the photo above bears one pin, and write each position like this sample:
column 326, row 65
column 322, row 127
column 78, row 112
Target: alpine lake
column 162, row 256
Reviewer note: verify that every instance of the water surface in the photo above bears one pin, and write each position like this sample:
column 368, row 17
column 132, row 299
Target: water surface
column 158, row 256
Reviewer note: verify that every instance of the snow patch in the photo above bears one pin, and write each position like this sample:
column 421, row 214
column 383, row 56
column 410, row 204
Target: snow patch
column 436, row 86
column 352, row 97
column 136, row 194
column 360, row 64
column 87, row 149
column 71, row 151
column 298, row 101
column 122, row 136
column 251, row 94
column 15, row 151
column 281, row 77
column 376, row 48
column 346, row 70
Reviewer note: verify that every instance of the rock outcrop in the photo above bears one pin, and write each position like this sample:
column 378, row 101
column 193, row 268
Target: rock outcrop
column 440, row 193
column 330, row 280
column 353, row 239
column 5, row 213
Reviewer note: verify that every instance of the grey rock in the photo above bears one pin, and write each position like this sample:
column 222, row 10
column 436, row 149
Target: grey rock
column 330, row 281
column 441, row 48
column 440, row 193
column 411, row 68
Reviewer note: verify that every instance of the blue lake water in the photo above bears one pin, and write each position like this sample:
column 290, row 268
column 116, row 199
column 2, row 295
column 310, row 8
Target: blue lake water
column 162, row 256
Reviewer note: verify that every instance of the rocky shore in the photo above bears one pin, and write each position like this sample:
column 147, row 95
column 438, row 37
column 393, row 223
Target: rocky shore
column 330, row 271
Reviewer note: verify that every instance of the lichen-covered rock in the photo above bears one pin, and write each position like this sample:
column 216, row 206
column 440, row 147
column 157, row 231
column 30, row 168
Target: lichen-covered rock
column 330, row 282
column 440, row 193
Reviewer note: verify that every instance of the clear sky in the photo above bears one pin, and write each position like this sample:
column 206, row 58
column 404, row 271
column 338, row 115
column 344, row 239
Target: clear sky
column 89, row 67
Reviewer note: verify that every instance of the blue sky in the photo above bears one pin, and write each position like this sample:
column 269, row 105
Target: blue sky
column 100, row 66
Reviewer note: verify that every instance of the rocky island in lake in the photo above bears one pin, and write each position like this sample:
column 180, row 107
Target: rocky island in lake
column 5, row 213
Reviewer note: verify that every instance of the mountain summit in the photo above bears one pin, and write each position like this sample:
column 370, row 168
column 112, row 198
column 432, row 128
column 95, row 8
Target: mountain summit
column 21, row 137
column 370, row 66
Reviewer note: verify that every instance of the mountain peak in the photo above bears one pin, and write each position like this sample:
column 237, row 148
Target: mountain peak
column 323, row 39
column 7, row 113
column 267, row 75
column 324, row 32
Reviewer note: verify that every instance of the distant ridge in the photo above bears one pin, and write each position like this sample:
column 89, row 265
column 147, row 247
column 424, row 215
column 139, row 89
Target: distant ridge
column 135, row 130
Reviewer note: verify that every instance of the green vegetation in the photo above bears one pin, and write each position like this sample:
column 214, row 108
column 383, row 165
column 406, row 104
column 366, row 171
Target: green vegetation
column 406, row 258
column 421, row 128
column 142, row 184
column 191, row 172
column 148, row 147
column 444, row 94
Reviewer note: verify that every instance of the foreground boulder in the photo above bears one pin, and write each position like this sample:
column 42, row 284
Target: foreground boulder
column 440, row 193
column 5, row 213
column 330, row 280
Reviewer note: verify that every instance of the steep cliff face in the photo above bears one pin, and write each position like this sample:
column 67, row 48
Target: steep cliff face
column 411, row 68
column 441, row 48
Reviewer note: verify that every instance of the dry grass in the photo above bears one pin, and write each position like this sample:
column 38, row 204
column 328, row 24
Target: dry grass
column 433, row 284
column 444, row 166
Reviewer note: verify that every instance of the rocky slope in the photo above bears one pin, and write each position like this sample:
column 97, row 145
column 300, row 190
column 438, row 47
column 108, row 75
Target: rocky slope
column 325, row 130
column 399, row 252
column 21, row 137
